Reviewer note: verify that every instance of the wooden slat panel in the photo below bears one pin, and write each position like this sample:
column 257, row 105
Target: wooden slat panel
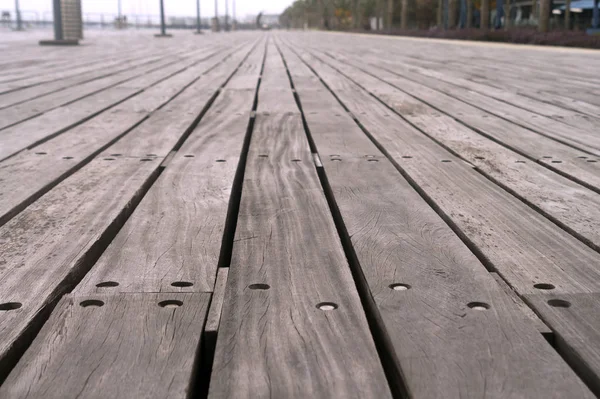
column 175, row 234
column 131, row 346
column 399, row 241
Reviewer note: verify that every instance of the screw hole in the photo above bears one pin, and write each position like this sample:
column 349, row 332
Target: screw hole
column 263, row 156
column 582, row 157
column 261, row 287
column 296, row 160
column 559, row 303
column 327, row 306
column 67, row 157
column 171, row 303
column 109, row 159
column 10, row 306
column 479, row 157
column 519, row 161
column 107, row 284
column 406, row 157
column 41, row 153
column 221, row 160
column 544, row 286
column 91, row 303
column 150, row 155
column 446, row 160
column 478, row 305
column 399, row 287
column 145, row 159
column 182, row 284
column 115, row 155
column 591, row 160
column 188, row 156
column 556, row 161
column 546, row 157
column 373, row 160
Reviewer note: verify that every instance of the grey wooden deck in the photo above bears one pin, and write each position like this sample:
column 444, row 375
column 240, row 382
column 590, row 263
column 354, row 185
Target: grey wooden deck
column 298, row 214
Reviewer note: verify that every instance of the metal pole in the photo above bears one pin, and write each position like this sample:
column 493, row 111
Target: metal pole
column 120, row 11
column 596, row 16
column 216, row 15
column 199, row 30
column 18, row 12
column 163, row 29
column 58, row 31
column 226, row 15
column 234, row 24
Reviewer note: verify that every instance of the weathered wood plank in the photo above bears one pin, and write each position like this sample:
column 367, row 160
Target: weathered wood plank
column 174, row 237
column 114, row 346
column 574, row 320
column 423, row 280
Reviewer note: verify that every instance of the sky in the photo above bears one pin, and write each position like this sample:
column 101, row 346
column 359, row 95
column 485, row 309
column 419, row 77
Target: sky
column 151, row 7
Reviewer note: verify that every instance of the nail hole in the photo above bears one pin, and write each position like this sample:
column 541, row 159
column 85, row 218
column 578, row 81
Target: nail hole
column 115, row 155
column 171, row 303
column 263, row 156
column 296, row 160
column 337, row 159
column 67, row 157
column 544, row 286
column 519, row 161
column 478, row 305
column 582, row 157
column 259, row 286
column 546, row 156
column 399, row 287
column 591, row 160
column 559, row 303
column 327, row 306
column 10, row 306
column 446, row 160
column 150, row 155
column 109, row 159
column 373, row 160
column 41, row 153
column 406, row 156
column 556, row 161
column 334, row 155
column 479, row 157
column 107, row 284
column 91, row 302
column 221, row 160
column 145, row 160
column 369, row 156
column 188, row 156
column 182, row 284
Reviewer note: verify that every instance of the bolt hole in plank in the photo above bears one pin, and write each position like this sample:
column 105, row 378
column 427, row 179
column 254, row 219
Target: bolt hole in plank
column 296, row 160
column 263, row 156
column 400, row 287
column 544, row 286
column 373, row 160
column 67, row 157
column 582, row 157
column 259, row 287
column 478, row 306
column 115, row 155
column 145, row 159
column 559, row 303
column 556, row 161
column 327, row 306
column 150, row 155
column 182, row 284
column 106, row 284
column 188, row 156
column 109, row 159
column 479, row 157
column 591, row 160
column 519, row 161
column 41, row 153
column 406, row 156
column 5, row 307
column 221, row 160
column 546, row 157
column 171, row 303
column 446, row 160
column 95, row 303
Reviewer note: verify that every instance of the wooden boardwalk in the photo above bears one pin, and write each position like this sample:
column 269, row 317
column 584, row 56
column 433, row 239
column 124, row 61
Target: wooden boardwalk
column 298, row 215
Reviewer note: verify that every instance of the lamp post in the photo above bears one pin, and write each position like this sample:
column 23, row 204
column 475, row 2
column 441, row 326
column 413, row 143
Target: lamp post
column 216, row 15
column 163, row 28
column 198, row 21
column 226, row 15
column 18, row 12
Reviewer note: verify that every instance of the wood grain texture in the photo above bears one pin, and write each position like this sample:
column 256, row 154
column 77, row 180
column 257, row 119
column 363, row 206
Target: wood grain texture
column 175, row 234
column 131, row 346
column 520, row 244
column 275, row 342
column 53, row 242
column 399, row 240
column 574, row 320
